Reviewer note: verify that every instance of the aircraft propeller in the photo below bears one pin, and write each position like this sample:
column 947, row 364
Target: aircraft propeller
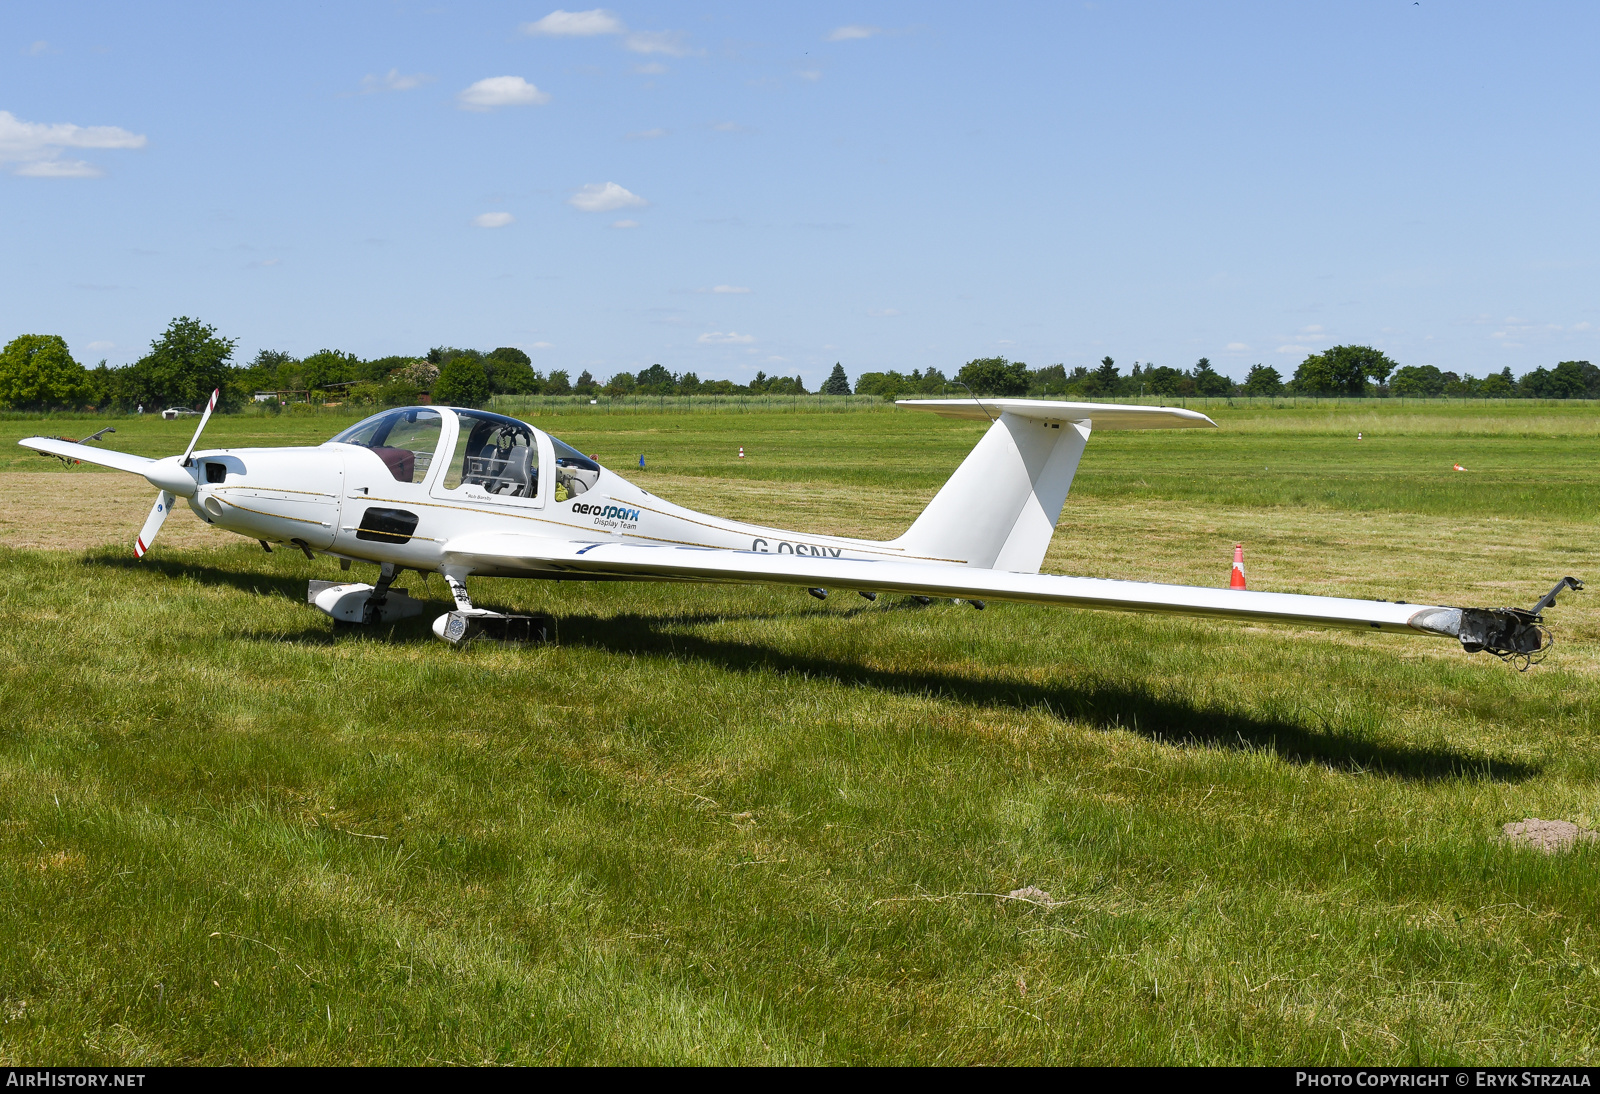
column 171, row 480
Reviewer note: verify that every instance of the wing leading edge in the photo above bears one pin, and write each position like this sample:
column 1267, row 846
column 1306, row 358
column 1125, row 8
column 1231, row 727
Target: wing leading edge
column 105, row 457
column 532, row 555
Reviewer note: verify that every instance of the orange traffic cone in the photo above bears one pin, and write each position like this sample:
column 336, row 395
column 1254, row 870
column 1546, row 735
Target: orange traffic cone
column 1457, row 467
column 741, row 451
column 1236, row 579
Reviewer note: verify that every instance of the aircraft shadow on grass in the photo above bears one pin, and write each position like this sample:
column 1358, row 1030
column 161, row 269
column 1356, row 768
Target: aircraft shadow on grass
column 289, row 586
column 1100, row 704
column 1103, row 705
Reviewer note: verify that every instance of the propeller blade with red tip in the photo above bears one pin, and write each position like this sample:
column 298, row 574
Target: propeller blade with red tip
column 152, row 523
column 211, row 405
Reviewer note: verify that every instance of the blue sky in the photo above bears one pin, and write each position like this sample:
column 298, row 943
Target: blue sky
column 730, row 187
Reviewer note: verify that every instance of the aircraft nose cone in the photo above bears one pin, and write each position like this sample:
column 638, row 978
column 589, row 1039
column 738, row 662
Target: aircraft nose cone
column 171, row 476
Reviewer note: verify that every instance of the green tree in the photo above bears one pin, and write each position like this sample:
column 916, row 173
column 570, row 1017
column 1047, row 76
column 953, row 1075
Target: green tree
column 379, row 368
column 462, row 381
column 1496, row 385
column 512, row 354
column 1162, row 380
column 37, row 372
column 995, row 376
column 1208, row 381
column 688, row 383
column 586, row 384
column 837, row 382
column 1263, row 380
column 786, row 385
column 329, row 366
column 885, row 385
column 1050, row 380
column 622, row 383
column 1417, row 381
column 558, row 383
column 1568, row 381
column 656, row 380
column 1341, row 370
column 261, row 374
column 1107, row 374
column 511, row 372
column 182, row 368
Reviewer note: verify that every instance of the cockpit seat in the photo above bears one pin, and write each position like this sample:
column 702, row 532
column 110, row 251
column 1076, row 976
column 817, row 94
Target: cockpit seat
column 521, row 473
column 401, row 462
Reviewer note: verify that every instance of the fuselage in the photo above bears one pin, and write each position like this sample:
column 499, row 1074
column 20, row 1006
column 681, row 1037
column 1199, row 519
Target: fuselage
column 400, row 486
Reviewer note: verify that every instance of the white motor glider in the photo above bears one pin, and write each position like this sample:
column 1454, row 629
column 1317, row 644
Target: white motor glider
column 463, row 492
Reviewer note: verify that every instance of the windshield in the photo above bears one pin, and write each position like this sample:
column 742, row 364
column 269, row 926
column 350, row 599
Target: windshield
column 405, row 440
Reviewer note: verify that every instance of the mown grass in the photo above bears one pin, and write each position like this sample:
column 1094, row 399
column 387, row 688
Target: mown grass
column 732, row 825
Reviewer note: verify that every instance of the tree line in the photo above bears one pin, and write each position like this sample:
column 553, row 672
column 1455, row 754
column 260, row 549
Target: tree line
column 1342, row 371
column 190, row 359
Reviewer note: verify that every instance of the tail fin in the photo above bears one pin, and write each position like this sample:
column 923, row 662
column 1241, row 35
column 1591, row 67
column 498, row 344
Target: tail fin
column 1000, row 508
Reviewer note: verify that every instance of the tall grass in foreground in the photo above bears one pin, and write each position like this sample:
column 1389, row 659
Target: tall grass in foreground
column 728, row 825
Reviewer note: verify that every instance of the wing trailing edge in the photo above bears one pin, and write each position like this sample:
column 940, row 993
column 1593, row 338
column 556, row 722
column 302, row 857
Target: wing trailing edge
column 512, row 553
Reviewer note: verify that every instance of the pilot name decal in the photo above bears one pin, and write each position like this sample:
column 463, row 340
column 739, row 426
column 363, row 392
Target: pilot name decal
column 608, row 516
column 784, row 548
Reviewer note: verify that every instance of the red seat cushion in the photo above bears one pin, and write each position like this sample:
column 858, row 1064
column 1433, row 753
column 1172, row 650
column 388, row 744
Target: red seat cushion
column 402, row 462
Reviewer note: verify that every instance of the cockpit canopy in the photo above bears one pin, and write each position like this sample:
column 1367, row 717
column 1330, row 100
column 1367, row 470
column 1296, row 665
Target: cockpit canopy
column 493, row 453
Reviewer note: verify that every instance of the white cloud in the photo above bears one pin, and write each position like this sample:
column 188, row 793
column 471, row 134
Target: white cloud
column 1315, row 328
column 1237, row 347
column 501, row 91
column 394, row 81
column 493, row 220
column 264, row 263
column 38, row 48
column 603, row 197
column 647, row 134
column 654, row 68
column 1294, row 349
column 97, row 347
column 36, row 147
column 543, row 345
column 624, row 223
column 668, row 42
column 730, row 127
column 809, row 74
column 59, row 169
column 729, row 289
column 1580, row 326
column 852, row 33
column 575, row 24
column 889, row 313
column 731, row 338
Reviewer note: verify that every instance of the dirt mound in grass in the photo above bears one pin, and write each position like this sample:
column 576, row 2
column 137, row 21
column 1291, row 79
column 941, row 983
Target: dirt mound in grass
column 1548, row 836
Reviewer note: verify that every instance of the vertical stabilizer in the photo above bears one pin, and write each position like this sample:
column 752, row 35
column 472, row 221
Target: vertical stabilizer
column 1000, row 508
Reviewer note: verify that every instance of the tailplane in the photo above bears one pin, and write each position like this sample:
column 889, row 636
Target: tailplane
column 999, row 510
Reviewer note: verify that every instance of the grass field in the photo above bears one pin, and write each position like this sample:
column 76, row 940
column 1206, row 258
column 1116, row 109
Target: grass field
column 740, row 826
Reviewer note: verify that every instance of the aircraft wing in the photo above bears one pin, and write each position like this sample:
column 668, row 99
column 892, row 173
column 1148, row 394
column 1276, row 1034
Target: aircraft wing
column 105, row 457
column 510, row 552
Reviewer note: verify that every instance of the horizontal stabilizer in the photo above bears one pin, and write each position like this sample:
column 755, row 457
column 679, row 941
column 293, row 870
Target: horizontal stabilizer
column 1103, row 415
